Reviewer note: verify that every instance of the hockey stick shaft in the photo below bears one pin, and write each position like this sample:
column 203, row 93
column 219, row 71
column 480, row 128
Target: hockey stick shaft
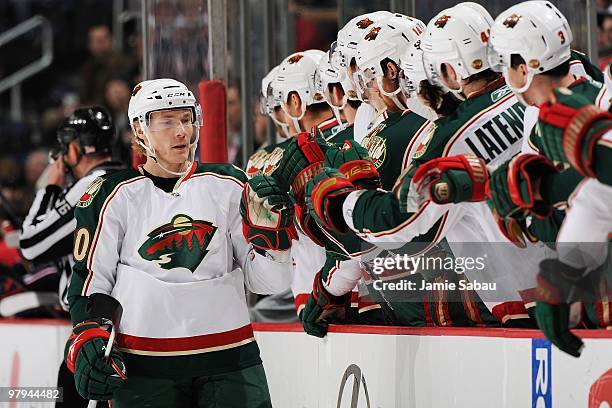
column 109, row 346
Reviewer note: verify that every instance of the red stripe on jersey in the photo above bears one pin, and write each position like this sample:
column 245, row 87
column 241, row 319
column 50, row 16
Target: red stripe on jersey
column 300, row 300
column 184, row 343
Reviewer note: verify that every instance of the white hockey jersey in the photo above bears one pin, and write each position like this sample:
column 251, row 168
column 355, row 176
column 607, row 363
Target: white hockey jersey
column 178, row 262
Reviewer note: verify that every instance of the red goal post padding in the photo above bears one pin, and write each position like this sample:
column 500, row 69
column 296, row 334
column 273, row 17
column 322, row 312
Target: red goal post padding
column 213, row 135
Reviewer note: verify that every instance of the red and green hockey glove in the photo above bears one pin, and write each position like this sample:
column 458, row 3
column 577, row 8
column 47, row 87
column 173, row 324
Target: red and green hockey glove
column 353, row 160
column 325, row 194
column 267, row 214
column 95, row 377
column 452, row 179
column 302, row 159
column 559, row 285
column 570, row 128
column 512, row 188
column 320, row 307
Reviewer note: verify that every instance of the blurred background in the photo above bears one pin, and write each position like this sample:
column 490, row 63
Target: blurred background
column 57, row 55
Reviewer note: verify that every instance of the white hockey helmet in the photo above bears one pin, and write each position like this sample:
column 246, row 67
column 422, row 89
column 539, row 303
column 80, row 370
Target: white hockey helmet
column 536, row 31
column 343, row 50
column 163, row 94
column 269, row 101
column 457, row 36
column 387, row 40
column 297, row 74
column 266, row 104
column 326, row 75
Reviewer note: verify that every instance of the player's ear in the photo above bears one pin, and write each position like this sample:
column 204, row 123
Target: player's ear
column 337, row 94
column 73, row 152
column 449, row 72
column 295, row 103
column 392, row 70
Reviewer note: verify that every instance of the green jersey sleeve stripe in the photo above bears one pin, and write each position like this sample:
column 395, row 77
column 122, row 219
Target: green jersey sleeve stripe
column 99, row 228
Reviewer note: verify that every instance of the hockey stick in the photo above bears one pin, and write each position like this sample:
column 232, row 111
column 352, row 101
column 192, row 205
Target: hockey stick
column 108, row 308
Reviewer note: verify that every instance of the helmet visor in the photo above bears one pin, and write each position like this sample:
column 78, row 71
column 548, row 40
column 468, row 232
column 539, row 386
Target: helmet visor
column 337, row 59
column 409, row 87
column 365, row 81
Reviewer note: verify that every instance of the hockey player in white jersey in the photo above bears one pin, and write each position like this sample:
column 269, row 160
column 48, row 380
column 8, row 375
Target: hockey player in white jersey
column 487, row 124
column 169, row 242
column 530, row 44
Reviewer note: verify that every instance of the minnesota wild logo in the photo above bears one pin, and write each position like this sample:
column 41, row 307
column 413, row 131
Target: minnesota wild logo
column 441, row 21
column 511, row 21
column 181, row 243
column 365, row 23
column 136, row 89
column 420, row 151
column 295, row 58
column 90, row 193
column 377, row 147
column 372, row 34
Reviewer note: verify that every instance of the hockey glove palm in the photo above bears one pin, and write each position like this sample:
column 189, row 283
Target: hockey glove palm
column 320, row 306
column 95, row 377
column 325, row 195
column 302, row 159
column 512, row 194
column 353, row 160
column 267, row 214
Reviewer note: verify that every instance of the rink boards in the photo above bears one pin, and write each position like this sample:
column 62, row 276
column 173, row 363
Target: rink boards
column 361, row 366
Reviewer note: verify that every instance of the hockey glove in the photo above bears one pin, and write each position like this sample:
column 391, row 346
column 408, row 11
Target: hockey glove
column 559, row 285
column 353, row 160
column 267, row 214
column 320, row 306
column 452, row 179
column 570, row 128
column 302, row 159
column 95, row 377
column 512, row 190
column 326, row 193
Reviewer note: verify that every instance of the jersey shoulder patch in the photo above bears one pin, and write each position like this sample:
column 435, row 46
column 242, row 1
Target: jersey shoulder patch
column 105, row 184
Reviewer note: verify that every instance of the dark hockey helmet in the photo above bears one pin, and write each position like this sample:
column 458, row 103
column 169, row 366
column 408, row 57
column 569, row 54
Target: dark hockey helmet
column 92, row 127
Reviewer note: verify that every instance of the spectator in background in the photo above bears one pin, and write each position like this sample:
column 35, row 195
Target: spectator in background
column 603, row 5
column 234, row 125
column 604, row 38
column 35, row 165
column 103, row 64
column 12, row 188
column 261, row 127
column 117, row 95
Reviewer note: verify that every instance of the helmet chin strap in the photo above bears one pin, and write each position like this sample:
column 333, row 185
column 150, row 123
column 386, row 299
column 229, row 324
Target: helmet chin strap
column 391, row 95
column 415, row 105
column 337, row 115
column 151, row 153
column 519, row 91
column 337, row 109
column 296, row 120
column 284, row 127
column 458, row 92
